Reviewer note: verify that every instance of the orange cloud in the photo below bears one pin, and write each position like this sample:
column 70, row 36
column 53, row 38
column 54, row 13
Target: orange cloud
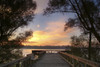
column 53, row 35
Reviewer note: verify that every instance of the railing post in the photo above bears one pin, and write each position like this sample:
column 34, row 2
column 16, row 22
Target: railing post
column 26, row 63
column 23, row 64
column 85, row 65
column 18, row 64
column 74, row 62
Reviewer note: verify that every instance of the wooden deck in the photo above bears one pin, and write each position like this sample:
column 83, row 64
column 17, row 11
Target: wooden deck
column 51, row 60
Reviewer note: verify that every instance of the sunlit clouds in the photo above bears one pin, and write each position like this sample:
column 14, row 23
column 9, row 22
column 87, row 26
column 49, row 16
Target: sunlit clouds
column 49, row 30
column 53, row 35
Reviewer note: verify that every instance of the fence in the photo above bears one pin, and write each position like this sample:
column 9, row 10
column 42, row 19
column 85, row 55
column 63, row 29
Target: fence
column 23, row 62
column 75, row 61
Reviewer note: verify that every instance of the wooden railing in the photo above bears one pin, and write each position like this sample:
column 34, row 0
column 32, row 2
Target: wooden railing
column 75, row 61
column 23, row 62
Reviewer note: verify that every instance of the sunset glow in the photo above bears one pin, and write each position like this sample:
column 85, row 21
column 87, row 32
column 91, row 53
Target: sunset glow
column 53, row 35
column 49, row 30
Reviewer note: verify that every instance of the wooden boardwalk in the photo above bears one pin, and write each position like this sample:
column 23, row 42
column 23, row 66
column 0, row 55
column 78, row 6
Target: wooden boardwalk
column 51, row 60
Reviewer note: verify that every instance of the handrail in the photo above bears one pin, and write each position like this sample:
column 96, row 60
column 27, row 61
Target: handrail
column 22, row 62
column 79, row 59
column 17, row 62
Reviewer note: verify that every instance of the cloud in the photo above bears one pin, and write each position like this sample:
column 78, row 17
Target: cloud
column 53, row 35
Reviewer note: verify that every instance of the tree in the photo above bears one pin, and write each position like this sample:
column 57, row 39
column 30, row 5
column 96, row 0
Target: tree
column 14, row 14
column 79, row 41
column 87, row 11
column 11, row 49
column 80, row 44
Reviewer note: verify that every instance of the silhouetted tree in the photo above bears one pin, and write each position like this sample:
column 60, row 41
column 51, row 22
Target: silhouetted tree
column 87, row 11
column 79, row 41
column 11, row 50
column 14, row 14
column 80, row 44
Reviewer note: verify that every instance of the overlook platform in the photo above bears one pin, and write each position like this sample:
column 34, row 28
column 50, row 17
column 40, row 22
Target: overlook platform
column 61, row 59
column 51, row 60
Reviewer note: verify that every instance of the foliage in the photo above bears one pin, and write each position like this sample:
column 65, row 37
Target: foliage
column 79, row 41
column 14, row 14
column 7, row 55
column 79, row 47
column 87, row 14
column 11, row 49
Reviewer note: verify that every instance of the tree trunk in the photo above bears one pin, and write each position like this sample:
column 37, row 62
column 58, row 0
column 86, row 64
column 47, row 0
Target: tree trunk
column 96, row 35
column 89, row 48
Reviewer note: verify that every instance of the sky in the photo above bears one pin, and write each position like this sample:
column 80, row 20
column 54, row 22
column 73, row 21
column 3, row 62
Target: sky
column 49, row 30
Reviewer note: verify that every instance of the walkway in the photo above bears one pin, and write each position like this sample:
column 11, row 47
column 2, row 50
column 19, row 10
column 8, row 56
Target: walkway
column 51, row 60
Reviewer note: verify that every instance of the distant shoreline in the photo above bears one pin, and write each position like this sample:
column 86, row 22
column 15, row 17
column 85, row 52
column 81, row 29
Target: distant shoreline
column 45, row 47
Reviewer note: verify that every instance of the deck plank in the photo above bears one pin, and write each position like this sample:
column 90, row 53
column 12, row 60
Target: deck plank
column 51, row 60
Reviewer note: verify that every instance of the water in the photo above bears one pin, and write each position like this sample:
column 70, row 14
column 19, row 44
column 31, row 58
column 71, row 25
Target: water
column 29, row 51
